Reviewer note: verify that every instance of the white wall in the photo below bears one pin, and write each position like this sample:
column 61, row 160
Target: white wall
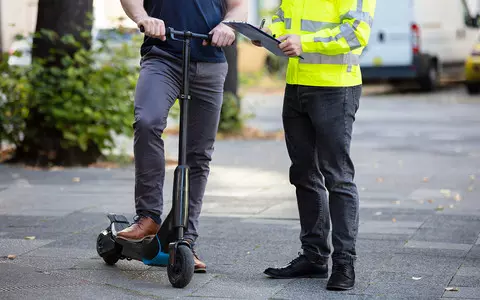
column 253, row 13
column 17, row 17
column 109, row 13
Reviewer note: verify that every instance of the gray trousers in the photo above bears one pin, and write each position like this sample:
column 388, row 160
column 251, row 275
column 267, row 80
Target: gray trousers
column 158, row 86
column 318, row 124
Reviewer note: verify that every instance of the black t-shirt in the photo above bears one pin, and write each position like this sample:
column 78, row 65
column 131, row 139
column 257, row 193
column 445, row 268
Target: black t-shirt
column 199, row 16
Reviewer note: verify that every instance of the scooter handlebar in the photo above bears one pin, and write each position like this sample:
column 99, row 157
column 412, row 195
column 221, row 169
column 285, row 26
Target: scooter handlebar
column 171, row 33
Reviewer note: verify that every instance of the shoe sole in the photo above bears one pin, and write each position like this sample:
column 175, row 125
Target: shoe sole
column 147, row 239
column 321, row 276
column 200, row 270
column 337, row 288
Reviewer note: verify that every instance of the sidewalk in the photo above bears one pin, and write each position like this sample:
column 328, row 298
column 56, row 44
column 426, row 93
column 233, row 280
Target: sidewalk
column 419, row 232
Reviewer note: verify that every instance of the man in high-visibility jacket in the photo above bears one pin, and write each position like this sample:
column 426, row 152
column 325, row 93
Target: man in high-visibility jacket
column 321, row 99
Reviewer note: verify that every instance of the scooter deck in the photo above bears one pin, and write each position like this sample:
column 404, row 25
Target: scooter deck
column 153, row 252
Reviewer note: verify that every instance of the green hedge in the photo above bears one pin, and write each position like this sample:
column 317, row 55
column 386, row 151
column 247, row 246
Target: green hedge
column 86, row 97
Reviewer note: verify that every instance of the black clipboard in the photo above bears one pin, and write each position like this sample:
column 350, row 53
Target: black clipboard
column 255, row 34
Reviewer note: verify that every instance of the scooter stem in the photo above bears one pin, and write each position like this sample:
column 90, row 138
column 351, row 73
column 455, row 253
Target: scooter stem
column 181, row 177
column 184, row 98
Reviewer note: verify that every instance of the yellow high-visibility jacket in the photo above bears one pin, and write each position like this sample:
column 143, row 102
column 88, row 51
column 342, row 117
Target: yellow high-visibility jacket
column 333, row 36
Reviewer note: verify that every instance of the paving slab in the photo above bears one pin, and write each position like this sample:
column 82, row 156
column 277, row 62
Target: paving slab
column 435, row 245
column 223, row 286
column 474, row 252
column 47, row 263
column 155, row 284
column 20, row 246
column 463, row 292
column 418, row 264
column 468, row 271
column 60, row 292
column 389, row 227
column 409, row 278
column 315, row 289
column 457, row 235
column 432, row 252
column 465, row 281
column 63, row 252
column 392, row 289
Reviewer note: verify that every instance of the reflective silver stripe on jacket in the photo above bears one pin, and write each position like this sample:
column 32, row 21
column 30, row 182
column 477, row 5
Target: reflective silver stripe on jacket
column 314, row 26
column 347, row 32
column 280, row 14
column 288, row 23
column 358, row 15
column 281, row 18
column 322, row 59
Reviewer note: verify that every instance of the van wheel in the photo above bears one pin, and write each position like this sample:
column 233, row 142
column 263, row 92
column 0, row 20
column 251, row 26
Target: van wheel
column 430, row 81
column 473, row 88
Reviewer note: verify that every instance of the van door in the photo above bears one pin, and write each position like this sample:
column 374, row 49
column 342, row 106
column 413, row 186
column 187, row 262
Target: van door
column 392, row 39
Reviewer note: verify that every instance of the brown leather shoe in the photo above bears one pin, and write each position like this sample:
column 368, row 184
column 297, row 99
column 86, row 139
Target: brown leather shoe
column 200, row 266
column 144, row 228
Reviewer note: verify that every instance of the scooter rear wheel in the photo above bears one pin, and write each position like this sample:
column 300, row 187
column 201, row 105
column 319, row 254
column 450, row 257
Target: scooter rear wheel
column 181, row 273
column 107, row 248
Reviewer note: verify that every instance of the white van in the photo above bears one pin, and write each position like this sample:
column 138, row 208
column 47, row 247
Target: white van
column 420, row 40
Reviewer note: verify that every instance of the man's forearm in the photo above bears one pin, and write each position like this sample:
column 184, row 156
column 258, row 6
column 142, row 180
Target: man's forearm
column 134, row 9
column 237, row 10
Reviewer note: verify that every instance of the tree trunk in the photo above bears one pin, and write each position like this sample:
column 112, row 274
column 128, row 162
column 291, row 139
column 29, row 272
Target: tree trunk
column 62, row 17
column 41, row 145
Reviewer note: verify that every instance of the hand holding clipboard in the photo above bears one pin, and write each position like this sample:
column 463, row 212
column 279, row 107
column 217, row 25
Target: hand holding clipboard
column 256, row 34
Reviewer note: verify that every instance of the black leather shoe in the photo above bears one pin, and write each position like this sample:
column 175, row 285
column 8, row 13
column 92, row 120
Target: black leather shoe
column 300, row 267
column 342, row 278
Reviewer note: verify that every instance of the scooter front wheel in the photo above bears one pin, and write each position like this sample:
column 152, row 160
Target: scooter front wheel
column 180, row 274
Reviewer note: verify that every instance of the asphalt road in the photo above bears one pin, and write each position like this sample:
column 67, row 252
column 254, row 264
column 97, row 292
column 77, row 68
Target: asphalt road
column 418, row 163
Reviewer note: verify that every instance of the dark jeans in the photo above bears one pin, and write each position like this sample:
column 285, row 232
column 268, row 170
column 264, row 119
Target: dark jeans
column 158, row 86
column 318, row 125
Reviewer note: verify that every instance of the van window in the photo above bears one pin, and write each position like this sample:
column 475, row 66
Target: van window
column 471, row 17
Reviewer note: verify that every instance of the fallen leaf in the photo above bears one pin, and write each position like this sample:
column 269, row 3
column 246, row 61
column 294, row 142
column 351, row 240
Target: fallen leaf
column 394, row 220
column 472, row 177
column 396, row 202
column 446, row 193
column 76, row 179
column 458, row 197
column 378, row 213
column 54, row 169
column 380, row 179
column 426, row 179
column 439, row 208
column 416, row 278
column 430, row 201
column 29, row 238
column 11, row 256
column 470, row 188
column 451, row 289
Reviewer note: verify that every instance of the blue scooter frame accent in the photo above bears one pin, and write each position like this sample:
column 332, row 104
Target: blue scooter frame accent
column 161, row 260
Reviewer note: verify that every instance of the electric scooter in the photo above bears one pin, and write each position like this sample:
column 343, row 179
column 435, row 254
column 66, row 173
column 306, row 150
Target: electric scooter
column 168, row 248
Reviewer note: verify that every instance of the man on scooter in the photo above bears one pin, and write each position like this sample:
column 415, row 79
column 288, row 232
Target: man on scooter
column 321, row 100
column 159, row 85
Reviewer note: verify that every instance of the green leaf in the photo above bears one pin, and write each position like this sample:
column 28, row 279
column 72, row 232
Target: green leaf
column 83, row 142
column 69, row 136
